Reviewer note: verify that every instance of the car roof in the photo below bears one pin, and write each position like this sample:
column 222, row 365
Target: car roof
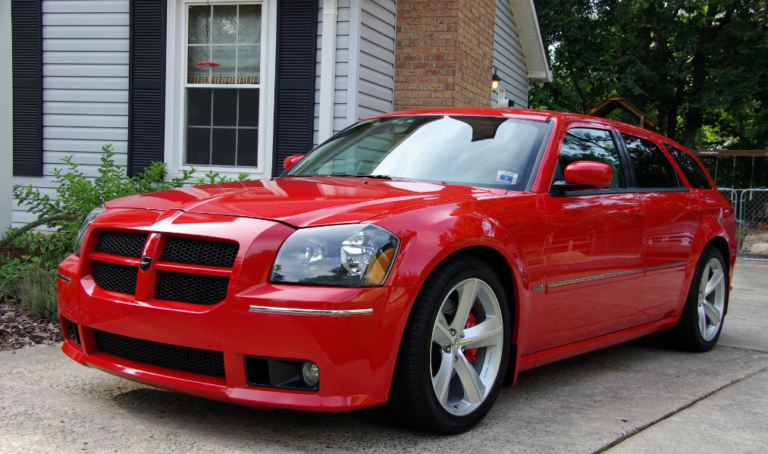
column 526, row 114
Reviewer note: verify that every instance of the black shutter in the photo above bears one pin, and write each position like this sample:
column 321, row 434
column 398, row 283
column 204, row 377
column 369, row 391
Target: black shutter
column 295, row 87
column 146, row 87
column 27, row 36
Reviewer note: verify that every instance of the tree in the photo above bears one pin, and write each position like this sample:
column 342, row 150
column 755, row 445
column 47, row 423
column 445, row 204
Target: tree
column 699, row 68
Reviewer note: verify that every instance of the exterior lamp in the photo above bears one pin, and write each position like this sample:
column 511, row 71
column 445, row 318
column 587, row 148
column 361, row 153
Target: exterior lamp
column 495, row 79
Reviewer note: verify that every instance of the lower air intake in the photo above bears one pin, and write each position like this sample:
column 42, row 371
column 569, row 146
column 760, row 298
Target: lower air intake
column 186, row 359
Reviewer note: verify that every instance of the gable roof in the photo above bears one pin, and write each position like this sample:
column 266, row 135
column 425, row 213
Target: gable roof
column 527, row 22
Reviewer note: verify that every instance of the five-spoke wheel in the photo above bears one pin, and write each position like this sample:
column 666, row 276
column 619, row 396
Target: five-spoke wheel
column 702, row 319
column 454, row 349
column 467, row 340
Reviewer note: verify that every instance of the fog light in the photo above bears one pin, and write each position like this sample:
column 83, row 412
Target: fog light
column 310, row 373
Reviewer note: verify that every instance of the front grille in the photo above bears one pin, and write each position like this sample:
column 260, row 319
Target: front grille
column 117, row 278
column 187, row 359
column 199, row 252
column 191, row 288
column 123, row 244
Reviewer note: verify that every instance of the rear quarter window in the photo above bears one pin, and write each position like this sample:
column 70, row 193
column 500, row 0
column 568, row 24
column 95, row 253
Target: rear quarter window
column 690, row 168
column 652, row 168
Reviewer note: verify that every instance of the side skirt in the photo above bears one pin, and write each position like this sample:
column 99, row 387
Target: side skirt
column 541, row 358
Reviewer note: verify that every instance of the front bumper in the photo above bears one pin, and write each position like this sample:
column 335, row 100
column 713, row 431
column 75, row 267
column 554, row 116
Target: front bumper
column 355, row 353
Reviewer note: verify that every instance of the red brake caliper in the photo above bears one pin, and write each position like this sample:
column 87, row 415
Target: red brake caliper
column 470, row 354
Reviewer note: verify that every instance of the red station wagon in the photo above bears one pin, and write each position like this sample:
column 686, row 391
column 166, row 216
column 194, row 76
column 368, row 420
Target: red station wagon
column 420, row 258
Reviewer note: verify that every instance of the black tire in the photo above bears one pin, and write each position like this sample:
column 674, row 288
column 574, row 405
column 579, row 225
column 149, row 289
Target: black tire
column 412, row 397
column 686, row 335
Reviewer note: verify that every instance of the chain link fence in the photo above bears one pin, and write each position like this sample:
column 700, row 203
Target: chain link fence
column 752, row 209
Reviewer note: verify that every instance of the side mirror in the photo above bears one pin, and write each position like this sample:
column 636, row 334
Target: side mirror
column 291, row 160
column 586, row 175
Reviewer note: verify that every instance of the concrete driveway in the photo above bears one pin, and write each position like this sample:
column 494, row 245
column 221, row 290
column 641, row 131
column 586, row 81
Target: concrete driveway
column 637, row 397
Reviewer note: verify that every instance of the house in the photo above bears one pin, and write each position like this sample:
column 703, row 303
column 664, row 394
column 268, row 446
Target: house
column 238, row 85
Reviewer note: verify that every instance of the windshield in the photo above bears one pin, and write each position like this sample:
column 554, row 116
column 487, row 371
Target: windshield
column 453, row 149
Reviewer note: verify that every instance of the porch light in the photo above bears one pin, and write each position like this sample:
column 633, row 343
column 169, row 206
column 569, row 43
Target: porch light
column 495, row 80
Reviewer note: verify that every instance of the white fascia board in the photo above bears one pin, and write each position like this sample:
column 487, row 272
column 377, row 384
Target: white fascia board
column 527, row 22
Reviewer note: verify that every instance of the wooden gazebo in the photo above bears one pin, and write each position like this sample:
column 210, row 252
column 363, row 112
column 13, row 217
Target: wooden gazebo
column 614, row 102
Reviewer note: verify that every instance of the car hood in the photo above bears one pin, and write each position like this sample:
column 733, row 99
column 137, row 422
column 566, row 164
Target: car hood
column 303, row 201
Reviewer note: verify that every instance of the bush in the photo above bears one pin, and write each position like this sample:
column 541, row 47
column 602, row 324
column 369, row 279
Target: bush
column 76, row 196
column 36, row 292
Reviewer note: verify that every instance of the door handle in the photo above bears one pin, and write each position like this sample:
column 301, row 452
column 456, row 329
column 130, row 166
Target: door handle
column 693, row 208
column 634, row 212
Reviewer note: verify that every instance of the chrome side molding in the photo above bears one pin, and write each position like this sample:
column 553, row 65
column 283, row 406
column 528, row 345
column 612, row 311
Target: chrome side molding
column 297, row 311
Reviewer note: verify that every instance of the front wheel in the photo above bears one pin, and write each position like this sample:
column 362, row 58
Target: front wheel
column 454, row 349
column 702, row 319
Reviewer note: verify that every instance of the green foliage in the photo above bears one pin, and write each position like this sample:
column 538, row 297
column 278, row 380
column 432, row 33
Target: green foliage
column 699, row 68
column 76, row 196
column 36, row 292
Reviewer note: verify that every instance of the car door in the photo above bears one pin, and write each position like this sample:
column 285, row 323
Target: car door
column 672, row 217
column 593, row 250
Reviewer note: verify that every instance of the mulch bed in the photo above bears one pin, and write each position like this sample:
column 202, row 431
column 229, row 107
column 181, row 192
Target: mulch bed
column 23, row 329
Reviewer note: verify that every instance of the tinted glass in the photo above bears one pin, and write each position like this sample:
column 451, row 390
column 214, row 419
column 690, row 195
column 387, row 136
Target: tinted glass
column 652, row 168
column 691, row 169
column 467, row 150
column 582, row 144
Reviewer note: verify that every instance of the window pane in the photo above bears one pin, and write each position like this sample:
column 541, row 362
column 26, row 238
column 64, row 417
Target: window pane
column 581, row 144
column 249, row 108
column 225, row 107
column 197, row 54
column 198, row 146
column 224, row 147
column 247, row 147
column 248, row 61
column 690, row 168
column 198, row 107
column 226, row 57
column 250, row 24
column 224, row 24
column 198, row 16
column 652, row 168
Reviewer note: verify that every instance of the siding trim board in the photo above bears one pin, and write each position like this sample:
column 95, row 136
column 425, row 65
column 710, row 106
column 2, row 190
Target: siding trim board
column 27, row 51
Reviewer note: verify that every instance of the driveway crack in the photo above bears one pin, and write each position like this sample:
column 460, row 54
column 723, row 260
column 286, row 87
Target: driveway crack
column 678, row 410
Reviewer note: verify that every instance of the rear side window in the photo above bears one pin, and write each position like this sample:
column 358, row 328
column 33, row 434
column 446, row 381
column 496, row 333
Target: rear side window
column 652, row 168
column 691, row 169
column 583, row 144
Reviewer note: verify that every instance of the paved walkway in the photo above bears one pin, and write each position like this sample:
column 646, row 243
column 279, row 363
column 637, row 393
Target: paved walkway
column 637, row 397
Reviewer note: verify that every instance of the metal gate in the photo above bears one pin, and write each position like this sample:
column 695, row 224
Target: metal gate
column 752, row 217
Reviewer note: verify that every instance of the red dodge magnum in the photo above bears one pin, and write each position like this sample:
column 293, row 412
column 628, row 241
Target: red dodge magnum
column 419, row 258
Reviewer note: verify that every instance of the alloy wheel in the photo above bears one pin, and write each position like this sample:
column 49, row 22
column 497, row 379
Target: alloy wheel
column 467, row 346
column 711, row 301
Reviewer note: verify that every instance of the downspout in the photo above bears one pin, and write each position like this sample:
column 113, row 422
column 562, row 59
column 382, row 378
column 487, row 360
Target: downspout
column 6, row 118
column 327, row 69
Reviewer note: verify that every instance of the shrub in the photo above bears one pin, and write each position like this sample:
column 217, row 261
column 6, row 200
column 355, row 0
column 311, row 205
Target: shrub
column 76, row 196
column 36, row 292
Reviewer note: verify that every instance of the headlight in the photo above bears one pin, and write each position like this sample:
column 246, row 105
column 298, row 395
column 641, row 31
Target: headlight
column 336, row 255
column 84, row 228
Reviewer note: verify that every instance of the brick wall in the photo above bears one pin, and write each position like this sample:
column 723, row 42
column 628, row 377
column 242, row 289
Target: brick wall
column 444, row 53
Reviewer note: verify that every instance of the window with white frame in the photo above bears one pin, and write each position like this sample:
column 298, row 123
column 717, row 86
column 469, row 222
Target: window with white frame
column 221, row 87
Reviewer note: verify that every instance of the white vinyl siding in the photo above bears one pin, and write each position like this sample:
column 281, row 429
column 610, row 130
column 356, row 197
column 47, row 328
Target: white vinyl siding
column 508, row 56
column 365, row 61
column 85, row 88
column 376, row 74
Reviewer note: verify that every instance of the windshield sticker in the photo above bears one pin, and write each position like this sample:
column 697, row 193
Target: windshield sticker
column 506, row 177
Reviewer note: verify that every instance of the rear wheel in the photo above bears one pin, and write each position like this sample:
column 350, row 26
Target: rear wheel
column 454, row 349
column 702, row 319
